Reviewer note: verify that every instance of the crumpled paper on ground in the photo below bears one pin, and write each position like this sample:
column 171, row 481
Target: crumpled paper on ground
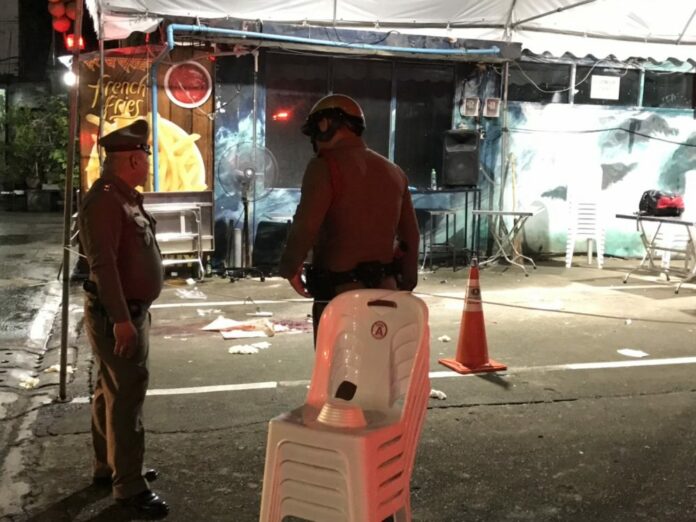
column 54, row 368
column 248, row 349
column 28, row 382
column 437, row 394
column 194, row 293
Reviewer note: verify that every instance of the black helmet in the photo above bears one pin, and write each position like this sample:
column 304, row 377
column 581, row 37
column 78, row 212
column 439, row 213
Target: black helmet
column 341, row 110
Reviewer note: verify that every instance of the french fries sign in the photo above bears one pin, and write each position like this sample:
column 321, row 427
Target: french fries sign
column 127, row 97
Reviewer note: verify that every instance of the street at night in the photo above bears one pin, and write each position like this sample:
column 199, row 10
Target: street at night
column 573, row 430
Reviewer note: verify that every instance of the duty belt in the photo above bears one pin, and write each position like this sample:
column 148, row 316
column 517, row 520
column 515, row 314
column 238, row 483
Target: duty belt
column 136, row 308
column 322, row 283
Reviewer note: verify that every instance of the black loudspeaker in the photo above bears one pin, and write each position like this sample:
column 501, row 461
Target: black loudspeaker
column 460, row 158
column 268, row 245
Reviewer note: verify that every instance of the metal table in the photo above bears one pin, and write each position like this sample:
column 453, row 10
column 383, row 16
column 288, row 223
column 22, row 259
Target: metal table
column 652, row 245
column 505, row 237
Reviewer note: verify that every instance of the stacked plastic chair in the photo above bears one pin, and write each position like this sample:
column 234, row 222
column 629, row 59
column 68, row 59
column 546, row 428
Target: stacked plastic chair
column 347, row 454
column 586, row 222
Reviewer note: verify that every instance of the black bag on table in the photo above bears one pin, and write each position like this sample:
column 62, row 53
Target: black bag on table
column 658, row 203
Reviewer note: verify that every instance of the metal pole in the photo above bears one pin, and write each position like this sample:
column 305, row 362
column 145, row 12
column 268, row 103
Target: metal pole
column 67, row 205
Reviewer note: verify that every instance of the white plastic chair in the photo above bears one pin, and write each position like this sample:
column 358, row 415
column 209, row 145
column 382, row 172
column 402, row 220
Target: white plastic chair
column 347, row 454
column 586, row 222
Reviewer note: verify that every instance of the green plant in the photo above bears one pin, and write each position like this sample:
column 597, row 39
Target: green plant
column 37, row 143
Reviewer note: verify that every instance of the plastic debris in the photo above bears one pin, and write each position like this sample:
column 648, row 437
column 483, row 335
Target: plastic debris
column 191, row 281
column 55, row 368
column 28, row 382
column 444, row 338
column 629, row 352
column 437, row 394
column 627, row 321
column 193, row 293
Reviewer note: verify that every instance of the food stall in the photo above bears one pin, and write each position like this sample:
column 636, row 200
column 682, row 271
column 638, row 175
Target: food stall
column 115, row 89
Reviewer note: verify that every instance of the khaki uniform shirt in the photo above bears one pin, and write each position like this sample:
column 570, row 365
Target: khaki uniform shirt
column 118, row 237
column 353, row 215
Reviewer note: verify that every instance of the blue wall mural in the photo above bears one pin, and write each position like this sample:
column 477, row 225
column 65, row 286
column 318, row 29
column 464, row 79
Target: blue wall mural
column 611, row 155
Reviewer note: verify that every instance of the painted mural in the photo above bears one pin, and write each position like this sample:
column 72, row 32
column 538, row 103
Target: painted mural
column 609, row 155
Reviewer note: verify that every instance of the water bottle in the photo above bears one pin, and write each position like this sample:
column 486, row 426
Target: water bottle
column 433, row 180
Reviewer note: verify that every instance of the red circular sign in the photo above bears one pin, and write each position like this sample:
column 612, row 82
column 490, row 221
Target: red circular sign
column 188, row 84
column 379, row 329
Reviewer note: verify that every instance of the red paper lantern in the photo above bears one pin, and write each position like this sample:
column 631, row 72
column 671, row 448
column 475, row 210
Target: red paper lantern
column 56, row 9
column 61, row 24
column 70, row 10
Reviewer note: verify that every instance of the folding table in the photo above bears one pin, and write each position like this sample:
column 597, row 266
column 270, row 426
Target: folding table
column 505, row 237
column 652, row 246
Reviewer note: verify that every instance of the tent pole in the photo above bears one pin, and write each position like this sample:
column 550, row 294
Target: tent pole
column 67, row 202
column 686, row 27
column 504, row 141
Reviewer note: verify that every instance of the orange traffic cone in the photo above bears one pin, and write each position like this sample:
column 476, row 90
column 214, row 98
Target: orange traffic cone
column 472, row 348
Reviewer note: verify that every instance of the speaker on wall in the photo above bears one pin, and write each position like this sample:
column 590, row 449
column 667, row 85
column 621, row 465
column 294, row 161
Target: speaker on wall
column 269, row 244
column 460, row 158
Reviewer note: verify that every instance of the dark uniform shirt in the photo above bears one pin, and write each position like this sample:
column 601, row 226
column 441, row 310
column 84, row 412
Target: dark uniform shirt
column 354, row 214
column 118, row 237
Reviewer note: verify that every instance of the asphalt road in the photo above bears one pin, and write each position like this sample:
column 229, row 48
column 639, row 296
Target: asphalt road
column 575, row 430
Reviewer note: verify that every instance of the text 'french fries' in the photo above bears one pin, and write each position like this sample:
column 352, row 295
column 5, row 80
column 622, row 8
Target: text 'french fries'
column 181, row 166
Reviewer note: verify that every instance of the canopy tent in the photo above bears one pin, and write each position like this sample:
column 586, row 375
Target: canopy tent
column 639, row 28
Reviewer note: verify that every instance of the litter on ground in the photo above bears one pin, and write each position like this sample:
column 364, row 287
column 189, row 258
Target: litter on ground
column 437, row 394
column 28, row 382
column 630, row 352
column 55, row 368
column 193, row 293
column 248, row 349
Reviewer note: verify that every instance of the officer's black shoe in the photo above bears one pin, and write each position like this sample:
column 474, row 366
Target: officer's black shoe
column 105, row 482
column 146, row 505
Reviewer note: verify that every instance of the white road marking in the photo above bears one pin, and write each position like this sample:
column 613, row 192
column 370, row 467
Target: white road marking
column 269, row 385
column 201, row 304
column 212, row 389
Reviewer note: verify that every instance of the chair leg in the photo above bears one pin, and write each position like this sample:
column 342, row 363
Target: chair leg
column 589, row 250
column 570, row 246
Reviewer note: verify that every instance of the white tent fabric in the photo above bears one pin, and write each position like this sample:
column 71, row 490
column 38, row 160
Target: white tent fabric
column 624, row 28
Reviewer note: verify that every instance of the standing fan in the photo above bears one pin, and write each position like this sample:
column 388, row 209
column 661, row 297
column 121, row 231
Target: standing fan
column 249, row 171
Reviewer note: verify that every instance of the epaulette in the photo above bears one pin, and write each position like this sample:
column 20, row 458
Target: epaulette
column 98, row 188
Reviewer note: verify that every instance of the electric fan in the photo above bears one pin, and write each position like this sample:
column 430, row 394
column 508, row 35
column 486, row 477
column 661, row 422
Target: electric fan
column 249, row 171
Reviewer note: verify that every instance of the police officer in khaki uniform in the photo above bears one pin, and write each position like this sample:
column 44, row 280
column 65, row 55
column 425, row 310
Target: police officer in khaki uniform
column 355, row 213
column 125, row 277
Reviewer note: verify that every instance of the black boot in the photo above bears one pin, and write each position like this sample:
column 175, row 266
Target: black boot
column 146, row 505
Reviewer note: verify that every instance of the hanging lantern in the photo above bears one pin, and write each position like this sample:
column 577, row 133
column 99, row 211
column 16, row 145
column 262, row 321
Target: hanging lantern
column 61, row 24
column 57, row 9
column 70, row 10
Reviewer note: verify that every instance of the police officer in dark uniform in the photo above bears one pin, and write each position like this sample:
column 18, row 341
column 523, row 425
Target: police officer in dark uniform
column 355, row 213
column 125, row 277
